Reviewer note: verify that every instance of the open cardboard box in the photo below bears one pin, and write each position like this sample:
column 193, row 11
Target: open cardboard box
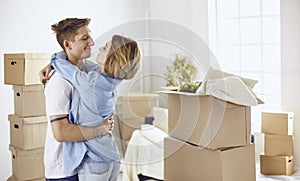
column 203, row 119
column 206, row 121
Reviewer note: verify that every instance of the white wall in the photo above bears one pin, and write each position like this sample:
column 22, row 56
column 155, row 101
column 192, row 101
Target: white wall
column 178, row 27
column 290, row 65
column 25, row 27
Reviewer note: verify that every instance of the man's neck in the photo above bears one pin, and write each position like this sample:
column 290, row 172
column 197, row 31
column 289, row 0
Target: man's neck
column 75, row 61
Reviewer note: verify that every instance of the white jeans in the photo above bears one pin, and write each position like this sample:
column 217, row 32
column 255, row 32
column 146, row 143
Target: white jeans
column 91, row 170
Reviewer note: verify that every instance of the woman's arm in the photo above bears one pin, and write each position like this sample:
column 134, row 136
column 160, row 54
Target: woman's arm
column 45, row 73
column 79, row 79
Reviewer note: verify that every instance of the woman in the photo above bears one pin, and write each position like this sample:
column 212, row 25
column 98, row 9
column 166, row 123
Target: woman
column 94, row 99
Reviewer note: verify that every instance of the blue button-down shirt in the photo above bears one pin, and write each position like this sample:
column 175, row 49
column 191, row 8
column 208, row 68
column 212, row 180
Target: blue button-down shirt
column 92, row 102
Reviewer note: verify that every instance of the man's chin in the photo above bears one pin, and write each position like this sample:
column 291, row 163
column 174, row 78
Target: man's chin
column 87, row 55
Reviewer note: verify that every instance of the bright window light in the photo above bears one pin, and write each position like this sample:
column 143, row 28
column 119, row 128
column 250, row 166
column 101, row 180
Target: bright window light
column 245, row 37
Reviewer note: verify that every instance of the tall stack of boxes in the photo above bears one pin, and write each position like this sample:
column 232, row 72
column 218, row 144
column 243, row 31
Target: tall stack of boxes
column 277, row 128
column 130, row 114
column 209, row 140
column 28, row 124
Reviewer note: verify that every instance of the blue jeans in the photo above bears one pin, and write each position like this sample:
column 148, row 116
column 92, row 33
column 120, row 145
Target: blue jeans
column 71, row 178
column 91, row 170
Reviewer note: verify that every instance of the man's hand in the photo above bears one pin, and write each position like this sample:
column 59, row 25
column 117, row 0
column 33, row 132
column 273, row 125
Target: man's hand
column 45, row 73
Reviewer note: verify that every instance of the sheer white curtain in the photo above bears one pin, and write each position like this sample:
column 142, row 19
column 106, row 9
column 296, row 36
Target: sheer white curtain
column 245, row 37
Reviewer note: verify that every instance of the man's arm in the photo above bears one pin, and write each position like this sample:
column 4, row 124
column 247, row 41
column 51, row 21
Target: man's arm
column 58, row 93
column 64, row 131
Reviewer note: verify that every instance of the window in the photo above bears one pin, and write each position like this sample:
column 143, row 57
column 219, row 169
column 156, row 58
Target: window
column 245, row 38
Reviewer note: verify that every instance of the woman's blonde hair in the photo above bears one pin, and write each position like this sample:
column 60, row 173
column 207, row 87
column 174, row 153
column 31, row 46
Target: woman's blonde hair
column 123, row 59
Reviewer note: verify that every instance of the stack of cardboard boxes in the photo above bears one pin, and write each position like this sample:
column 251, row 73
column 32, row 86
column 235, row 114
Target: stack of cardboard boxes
column 28, row 124
column 130, row 114
column 209, row 140
column 277, row 128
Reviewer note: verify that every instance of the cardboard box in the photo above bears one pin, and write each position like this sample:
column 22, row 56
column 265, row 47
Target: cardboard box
column 125, row 127
column 276, row 165
column 277, row 123
column 123, row 130
column 27, row 133
column 136, row 106
column 207, row 121
column 23, row 68
column 183, row 161
column 29, row 100
column 160, row 116
column 122, row 147
column 13, row 178
column 276, row 145
column 27, row 164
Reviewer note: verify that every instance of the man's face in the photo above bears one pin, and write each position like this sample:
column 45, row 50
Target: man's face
column 81, row 46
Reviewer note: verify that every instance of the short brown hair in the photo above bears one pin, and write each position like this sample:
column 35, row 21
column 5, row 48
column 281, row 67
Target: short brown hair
column 123, row 60
column 66, row 29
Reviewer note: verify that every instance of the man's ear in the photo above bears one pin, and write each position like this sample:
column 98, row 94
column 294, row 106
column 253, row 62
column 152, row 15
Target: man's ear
column 67, row 44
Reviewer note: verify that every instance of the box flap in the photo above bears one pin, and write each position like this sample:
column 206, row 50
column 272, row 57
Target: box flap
column 217, row 74
column 228, row 104
column 276, row 158
column 278, row 114
column 19, row 152
column 138, row 96
column 278, row 137
column 27, row 56
column 27, row 120
column 28, row 88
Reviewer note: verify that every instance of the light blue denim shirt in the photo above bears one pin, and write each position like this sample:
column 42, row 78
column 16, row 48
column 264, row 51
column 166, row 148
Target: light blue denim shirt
column 92, row 102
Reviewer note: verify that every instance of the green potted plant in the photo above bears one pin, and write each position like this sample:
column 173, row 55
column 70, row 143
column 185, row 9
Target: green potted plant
column 190, row 87
column 180, row 72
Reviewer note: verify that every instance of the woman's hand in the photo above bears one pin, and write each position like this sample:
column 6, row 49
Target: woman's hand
column 110, row 122
column 45, row 73
column 107, row 126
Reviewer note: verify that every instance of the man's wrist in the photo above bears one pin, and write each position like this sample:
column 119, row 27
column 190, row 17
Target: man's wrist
column 98, row 130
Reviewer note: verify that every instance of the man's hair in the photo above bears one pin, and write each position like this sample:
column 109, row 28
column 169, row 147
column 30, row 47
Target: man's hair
column 66, row 29
column 123, row 59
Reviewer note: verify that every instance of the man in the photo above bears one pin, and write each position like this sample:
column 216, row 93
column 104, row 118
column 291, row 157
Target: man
column 73, row 35
column 94, row 97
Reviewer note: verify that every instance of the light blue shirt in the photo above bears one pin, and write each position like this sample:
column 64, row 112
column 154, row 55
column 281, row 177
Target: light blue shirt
column 92, row 102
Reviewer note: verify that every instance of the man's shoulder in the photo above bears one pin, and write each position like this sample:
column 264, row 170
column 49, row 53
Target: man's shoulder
column 57, row 81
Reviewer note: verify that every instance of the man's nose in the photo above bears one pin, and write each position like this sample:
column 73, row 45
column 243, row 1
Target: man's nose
column 91, row 43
